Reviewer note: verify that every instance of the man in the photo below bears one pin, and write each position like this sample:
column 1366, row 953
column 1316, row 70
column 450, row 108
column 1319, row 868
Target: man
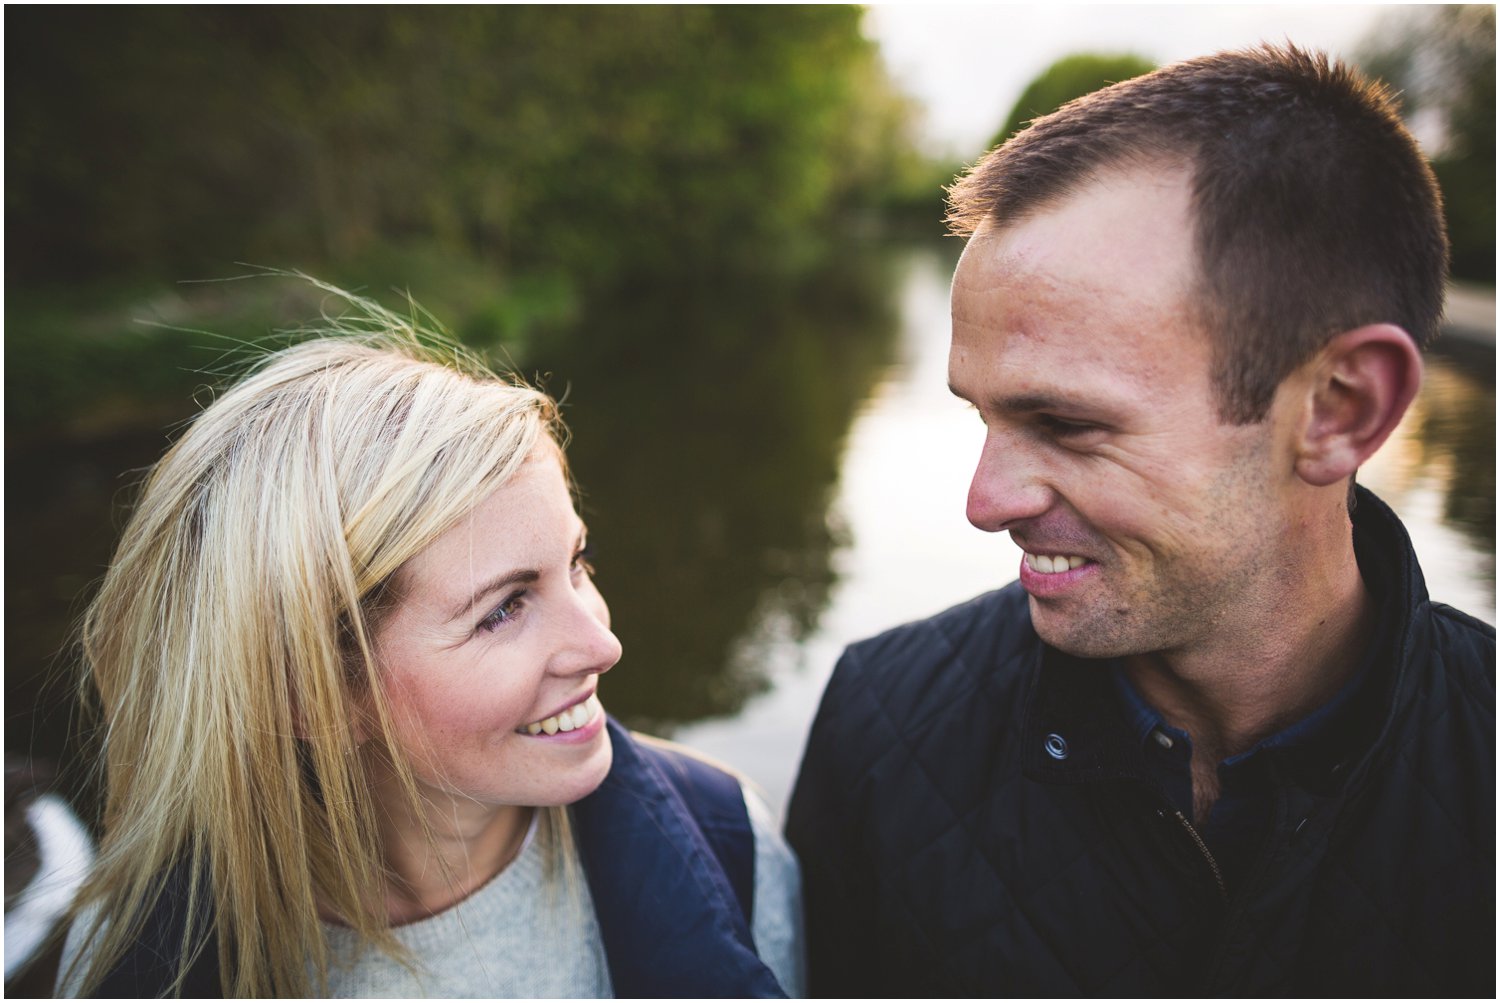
column 1216, row 740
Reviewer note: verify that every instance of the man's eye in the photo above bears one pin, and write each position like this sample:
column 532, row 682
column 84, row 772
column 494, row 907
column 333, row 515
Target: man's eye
column 1063, row 426
column 504, row 613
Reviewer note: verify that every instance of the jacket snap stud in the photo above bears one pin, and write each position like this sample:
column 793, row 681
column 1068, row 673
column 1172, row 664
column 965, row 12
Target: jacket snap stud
column 1056, row 747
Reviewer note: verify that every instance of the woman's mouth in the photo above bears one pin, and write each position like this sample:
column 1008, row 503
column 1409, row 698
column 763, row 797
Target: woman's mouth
column 570, row 719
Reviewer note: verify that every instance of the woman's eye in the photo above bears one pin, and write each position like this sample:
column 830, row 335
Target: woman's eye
column 584, row 560
column 504, row 613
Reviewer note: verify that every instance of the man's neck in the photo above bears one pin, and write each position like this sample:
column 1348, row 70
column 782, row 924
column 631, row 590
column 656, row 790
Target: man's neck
column 1231, row 695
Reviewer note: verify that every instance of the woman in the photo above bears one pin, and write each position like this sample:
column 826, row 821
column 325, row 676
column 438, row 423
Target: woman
column 348, row 656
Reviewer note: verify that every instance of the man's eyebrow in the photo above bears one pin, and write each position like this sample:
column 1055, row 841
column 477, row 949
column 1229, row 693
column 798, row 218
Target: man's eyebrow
column 519, row 577
column 1025, row 403
column 1020, row 403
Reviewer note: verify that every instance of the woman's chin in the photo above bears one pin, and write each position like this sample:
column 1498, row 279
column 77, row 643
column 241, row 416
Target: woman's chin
column 583, row 778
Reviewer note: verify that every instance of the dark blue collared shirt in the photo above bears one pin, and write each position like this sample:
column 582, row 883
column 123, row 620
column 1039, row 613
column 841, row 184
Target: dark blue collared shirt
column 1238, row 821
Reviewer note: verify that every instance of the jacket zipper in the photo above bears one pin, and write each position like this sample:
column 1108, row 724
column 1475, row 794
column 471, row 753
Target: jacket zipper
column 1213, row 864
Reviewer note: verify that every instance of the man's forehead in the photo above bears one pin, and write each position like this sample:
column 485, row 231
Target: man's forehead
column 1124, row 233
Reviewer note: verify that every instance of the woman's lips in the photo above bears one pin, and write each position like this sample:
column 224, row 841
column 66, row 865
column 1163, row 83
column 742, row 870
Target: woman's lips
column 579, row 715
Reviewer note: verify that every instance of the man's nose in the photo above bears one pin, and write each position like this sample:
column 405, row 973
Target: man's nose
column 1007, row 487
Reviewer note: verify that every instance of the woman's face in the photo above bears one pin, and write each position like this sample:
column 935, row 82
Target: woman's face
column 492, row 655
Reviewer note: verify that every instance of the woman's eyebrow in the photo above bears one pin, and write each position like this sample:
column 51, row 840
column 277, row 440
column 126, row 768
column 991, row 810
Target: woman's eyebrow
column 519, row 577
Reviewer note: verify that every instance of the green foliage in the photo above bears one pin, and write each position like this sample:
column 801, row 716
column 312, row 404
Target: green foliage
column 1069, row 78
column 509, row 165
column 592, row 143
column 1441, row 62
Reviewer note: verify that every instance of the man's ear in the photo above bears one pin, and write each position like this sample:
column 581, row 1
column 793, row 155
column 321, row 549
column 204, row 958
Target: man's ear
column 1362, row 382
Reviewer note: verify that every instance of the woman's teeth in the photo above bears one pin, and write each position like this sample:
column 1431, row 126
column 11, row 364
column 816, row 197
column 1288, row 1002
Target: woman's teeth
column 1049, row 564
column 574, row 717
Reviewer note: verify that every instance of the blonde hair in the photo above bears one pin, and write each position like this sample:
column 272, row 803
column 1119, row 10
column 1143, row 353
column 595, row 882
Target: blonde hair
column 234, row 629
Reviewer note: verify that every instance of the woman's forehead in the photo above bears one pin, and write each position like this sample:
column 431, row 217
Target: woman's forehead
column 526, row 524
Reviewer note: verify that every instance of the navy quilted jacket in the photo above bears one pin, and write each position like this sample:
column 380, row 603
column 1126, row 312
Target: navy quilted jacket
column 945, row 853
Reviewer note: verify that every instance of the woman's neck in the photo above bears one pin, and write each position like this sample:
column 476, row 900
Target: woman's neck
column 442, row 856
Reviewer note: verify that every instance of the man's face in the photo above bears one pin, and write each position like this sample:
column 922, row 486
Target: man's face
column 1148, row 525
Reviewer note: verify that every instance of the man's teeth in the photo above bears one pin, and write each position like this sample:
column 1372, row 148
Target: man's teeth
column 575, row 716
column 1051, row 564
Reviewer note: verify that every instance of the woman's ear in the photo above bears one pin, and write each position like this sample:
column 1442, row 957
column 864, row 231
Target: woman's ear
column 1362, row 383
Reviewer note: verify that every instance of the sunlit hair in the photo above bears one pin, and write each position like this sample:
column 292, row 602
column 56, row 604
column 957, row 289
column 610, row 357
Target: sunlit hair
column 1315, row 211
column 232, row 640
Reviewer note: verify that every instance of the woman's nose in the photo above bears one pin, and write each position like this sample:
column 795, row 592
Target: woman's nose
column 589, row 646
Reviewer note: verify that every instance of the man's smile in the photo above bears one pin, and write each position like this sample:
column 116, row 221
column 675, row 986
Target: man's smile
column 1049, row 564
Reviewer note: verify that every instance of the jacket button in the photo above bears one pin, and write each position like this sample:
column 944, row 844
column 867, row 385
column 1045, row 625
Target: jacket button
column 1056, row 747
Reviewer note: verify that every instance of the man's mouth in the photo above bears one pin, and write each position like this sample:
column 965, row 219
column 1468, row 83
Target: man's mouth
column 1051, row 564
column 574, row 717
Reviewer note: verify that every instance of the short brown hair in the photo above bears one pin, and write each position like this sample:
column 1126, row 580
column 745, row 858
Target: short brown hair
column 1315, row 210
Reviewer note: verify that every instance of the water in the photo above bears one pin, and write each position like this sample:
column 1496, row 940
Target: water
column 769, row 474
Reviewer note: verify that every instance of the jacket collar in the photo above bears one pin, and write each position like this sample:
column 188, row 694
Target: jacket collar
column 671, row 924
column 1379, row 536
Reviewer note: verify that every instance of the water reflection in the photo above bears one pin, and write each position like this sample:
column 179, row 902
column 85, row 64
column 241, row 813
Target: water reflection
column 1455, row 426
column 708, row 425
column 1438, row 472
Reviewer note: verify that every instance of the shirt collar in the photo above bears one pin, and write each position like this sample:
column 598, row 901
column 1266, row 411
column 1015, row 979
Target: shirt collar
column 1319, row 730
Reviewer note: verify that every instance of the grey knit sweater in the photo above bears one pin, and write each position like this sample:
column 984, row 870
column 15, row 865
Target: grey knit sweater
column 523, row 935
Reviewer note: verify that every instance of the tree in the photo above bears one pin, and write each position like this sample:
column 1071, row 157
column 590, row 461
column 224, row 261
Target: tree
column 1441, row 62
column 595, row 144
column 1069, row 78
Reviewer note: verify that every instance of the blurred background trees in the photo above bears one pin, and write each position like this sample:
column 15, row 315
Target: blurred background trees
column 1441, row 60
column 585, row 142
column 1070, row 77
column 515, row 167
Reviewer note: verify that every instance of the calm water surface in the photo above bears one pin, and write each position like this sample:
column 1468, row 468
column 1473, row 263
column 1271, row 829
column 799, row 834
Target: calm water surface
column 782, row 473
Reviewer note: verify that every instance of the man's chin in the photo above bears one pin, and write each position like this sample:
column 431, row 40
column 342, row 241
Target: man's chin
column 1074, row 635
